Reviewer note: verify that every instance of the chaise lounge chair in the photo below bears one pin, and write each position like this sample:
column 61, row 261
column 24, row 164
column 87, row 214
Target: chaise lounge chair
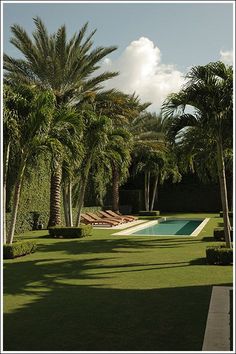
column 128, row 217
column 104, row 215
column 86, row 219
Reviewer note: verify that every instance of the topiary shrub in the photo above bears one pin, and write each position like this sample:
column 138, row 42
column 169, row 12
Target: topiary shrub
column 71, row 232
column 149, row 213
column 18, row 249
column 219, row 234
column 230, row 214
column 219, row 255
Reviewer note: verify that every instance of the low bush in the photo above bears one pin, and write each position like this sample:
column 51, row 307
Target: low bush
column 219, row 255
column 71, row 232
column 18, row 249
column 230, row 213
column 219, row 234
column 149, row 213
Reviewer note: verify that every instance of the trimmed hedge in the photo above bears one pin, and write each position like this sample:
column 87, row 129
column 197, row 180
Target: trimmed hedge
column 149, row 213
column 71, row 232
column 18, row 249
column 219, row 234
column 230, row 214
column 219, row 255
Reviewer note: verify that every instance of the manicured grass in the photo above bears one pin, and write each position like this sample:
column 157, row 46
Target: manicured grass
column 108, row 292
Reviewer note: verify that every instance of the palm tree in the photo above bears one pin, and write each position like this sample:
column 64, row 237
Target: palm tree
column 66, row 67
column 123, row 109
column 33, row 115
column 95, row 139
column 209, row 92
column 11, row 133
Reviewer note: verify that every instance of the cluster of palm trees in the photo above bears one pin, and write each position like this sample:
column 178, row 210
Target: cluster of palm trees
column 55, row 104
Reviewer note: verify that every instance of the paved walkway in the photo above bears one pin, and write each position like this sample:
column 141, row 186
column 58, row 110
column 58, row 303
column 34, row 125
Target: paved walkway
column 217, row 333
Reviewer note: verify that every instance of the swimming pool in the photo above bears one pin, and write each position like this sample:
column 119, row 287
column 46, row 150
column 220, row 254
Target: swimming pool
column 168, row 227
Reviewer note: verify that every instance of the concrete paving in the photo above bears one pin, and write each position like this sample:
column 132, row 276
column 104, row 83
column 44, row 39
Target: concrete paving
column 217, row 333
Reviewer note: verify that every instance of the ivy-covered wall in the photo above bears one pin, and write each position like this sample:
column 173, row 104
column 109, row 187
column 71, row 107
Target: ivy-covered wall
column 34, row 197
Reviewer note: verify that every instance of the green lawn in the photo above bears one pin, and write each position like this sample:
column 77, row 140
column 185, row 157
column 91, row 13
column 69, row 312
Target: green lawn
column 111, row 293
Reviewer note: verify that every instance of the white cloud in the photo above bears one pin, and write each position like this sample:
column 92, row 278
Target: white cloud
column 226, row 57
column 141, row 72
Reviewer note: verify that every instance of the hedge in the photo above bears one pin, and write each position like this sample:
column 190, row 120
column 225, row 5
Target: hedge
column 219, row 234
column 149, row 213
column 71, row 232
column 18, row 249
column 219, row 255
column 230, row 214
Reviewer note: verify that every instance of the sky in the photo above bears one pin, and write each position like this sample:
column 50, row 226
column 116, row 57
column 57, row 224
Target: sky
column 157, row 42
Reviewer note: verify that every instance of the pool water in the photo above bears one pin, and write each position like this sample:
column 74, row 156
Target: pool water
column 170, row 227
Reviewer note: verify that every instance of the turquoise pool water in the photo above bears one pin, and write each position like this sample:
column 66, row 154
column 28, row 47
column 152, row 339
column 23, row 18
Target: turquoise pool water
column 170, row 227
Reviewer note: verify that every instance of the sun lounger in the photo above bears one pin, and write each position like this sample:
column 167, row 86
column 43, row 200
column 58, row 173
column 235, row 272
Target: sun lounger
column 107, row 216
column 130, row 217
column 103, row 217
column 88, row 220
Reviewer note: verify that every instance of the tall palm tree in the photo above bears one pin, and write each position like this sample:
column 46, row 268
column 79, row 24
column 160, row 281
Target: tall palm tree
column 11, row 102
column 66, row 67
column 123, row 109
column 209, row 91
column 34, row 111
column 95, row 139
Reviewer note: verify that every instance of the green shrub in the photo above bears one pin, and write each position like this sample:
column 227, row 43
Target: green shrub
column 219, row 255
column 219, row 234
column 230, row 213
column 18, row 249
column 149, row 213
column 71, row 232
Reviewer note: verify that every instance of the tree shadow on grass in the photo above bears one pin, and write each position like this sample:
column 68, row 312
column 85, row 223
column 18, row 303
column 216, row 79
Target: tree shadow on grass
column 110, row 245
column 94, row 317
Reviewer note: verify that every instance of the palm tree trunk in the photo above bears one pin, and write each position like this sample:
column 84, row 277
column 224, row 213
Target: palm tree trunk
column 16, row 199
column 55, row 198
column 70, row 209
column 65, row 204
column 147, row 189
column 223, row 192
column 81, row 200
column 154, row 192
column 83, row 185
column 115, row 188
column 6, row 163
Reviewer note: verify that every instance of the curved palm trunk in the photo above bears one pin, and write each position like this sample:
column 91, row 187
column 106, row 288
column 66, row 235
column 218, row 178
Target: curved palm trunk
column 65, row 204
column 154, row 193
column 83, row 185
column 81, row 200
column 6, row 163
column 55, row 198
column 115, row 188
column 223, row 192
column 16, row 200
column 147, row 190
column 70, row 209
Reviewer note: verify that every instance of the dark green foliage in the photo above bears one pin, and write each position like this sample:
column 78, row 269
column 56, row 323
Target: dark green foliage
column 132, row 198
column 219, row 255
column 149, row 213
column 219, row 234
column 18, row 249
column 230, row 213
column 71, row 232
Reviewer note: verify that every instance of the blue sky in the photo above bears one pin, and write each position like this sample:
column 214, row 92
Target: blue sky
column 170, row 37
